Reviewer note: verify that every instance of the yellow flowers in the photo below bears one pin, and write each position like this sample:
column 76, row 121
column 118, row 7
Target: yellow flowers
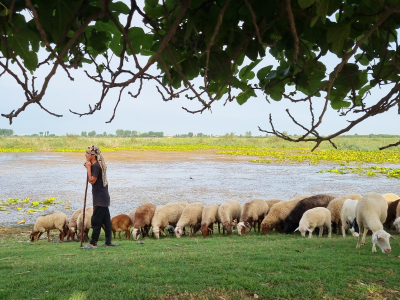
column 21, row 222
column 368, row 171
column 16, row 150
column 20, row 204
column 67, row 207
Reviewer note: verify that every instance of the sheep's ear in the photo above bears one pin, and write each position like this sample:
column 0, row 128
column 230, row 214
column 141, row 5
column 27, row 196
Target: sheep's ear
column 392, row 237
column 296, row 229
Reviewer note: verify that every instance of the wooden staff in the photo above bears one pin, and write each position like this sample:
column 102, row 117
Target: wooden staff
column 84, row 210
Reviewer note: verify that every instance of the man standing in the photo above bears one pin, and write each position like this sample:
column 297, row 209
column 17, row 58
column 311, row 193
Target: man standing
column 96, row 170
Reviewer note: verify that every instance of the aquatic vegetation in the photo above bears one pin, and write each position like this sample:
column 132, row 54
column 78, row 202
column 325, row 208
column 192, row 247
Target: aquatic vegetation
column 30, row 206
column 368, row 171
column 16, row 150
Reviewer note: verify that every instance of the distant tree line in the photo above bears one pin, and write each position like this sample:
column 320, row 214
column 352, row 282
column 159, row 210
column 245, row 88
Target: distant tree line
column 6, row 132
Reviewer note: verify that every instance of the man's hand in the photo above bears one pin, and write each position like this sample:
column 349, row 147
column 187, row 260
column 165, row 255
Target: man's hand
column 87, row 164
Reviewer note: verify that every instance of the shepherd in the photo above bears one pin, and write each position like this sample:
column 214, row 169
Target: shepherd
column 96, row 174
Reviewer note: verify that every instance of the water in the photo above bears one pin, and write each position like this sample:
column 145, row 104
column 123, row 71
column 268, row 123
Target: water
column 159, row 177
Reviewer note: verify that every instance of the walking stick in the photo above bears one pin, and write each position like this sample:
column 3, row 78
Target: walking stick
column 84, row 210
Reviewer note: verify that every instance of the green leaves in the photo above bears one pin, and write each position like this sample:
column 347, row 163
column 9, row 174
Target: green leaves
column 246, row 73
column 305, row 3
column 337, row 35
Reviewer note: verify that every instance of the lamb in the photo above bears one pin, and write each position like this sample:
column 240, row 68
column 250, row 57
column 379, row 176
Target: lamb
column 278, row 213
column 84, row 230
column 335, row 207
column 371, row 212
column 391, row 214
column 142, row 220
column 272, row 202
column 396, row 224
column 390, row 197
column 72, row 224
column 252, row 211
column 227, row 212
column 165, row 215
column 315, row 217
column 293, row 219
column 45, row 223
column 120, row 223
column 208, row 218
column 191, row 215
column 348, row 217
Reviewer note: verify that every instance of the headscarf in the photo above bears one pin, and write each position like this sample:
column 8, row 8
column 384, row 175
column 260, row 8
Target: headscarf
column 96, row 151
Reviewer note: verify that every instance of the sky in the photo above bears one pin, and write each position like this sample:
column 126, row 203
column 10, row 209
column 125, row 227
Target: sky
column 149, row 112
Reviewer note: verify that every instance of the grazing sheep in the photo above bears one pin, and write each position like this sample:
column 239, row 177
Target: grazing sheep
column 348, row 217
column 228, row 212
column 191, row 215
column 142, row 220
column 165, row 215
column 72, row 224
column 131, row 214
column 253, row 211
column 390, row 197
column 396, row 224
column 391, row 213
column 120, row 223
column 371, row 212
column 315, row 217
column 208, row 218
column 272, row 202
column 278, row 213
column 45, row 223
column 293, row 219
column 84, row 230
column 335, row 207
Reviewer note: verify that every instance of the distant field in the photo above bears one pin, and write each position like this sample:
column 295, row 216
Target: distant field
column 220, row 267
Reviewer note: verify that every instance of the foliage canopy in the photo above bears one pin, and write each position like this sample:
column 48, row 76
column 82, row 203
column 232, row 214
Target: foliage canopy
column 188, row 40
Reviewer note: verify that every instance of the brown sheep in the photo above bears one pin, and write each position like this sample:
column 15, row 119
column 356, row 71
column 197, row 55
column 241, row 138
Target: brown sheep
column 208, row 218
column 293, row 219
column 142, row 220
column 272, row 202
column 335, row 207
column 278, row 213
column 120, row 223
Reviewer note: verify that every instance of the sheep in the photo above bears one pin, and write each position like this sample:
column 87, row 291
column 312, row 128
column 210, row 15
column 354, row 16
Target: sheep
column 84, row 230
column 390, row 197
column 227, row 212
column 165, row 215
column 348, row 217
column 272, row 202
column 72, row 224
column 396, row 224
column 335, row 207
column 45, row 223
column 191, row 215
column 391, row 214
column 371, row 212
column 315, row 217
column 252, row 211
column 208, row 218
column 292, row 220
column 142, row 220
column 278, row 213
column 131, row 214
column 120, row 223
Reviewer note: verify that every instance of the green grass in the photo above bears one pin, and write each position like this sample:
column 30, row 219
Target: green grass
column 220, row 267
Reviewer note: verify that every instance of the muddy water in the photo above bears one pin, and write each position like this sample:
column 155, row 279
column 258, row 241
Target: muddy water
column 137, row 177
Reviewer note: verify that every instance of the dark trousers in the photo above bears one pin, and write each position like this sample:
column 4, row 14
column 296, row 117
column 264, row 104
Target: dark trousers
column 101, row 215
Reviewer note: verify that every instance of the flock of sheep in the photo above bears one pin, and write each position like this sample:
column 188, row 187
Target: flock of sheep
column 304, row 213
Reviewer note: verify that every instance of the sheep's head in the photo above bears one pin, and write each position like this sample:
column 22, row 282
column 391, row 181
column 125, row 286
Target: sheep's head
column 381, row 238
column 303, row 230
column 34, row 236
column 396, row 224
column 204, row 230
column 265, row 228
column 178, row 231
column 136, row 233
column 243, row 227
column 228, row 227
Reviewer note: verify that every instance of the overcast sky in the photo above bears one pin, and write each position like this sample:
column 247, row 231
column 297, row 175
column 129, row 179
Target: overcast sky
column 150, row 112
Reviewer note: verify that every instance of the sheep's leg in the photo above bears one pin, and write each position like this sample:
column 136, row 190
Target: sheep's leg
column 373, row 247
column 162, row 231
column 127, row 234
column 48, row 236
column 114, row 233
column 329, row 230
column 343, row 231
column 361, row 227
column 310, row 233
column 119, row 234
column 364, row 236
column 219, row 229
column 321, row 231
column 339, row 226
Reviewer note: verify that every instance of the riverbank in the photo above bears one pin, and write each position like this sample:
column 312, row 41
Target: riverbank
column 220, row 267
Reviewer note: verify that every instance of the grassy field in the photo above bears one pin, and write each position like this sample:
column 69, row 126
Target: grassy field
column 220, row 267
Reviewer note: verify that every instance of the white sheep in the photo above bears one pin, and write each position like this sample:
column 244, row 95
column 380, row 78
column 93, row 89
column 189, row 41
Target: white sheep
column 131, row 214
column 165, row 215
column 227, row 213
column 348, row 217
column 253, row 211
column 191, row 215
column 45, row 223
column 209, row 216
column 335, row 207
column 315, row 217
column 84, row 230
column 72, row 224
column 396, row 224
column 371, row 212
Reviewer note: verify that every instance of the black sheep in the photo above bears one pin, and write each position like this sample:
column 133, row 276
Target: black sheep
column 292, row 220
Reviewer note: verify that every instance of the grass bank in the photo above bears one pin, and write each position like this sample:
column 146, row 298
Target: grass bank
column 220, row 267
